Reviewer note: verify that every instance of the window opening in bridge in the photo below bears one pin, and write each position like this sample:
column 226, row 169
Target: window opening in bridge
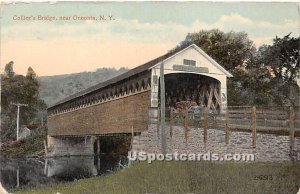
column 189, row 62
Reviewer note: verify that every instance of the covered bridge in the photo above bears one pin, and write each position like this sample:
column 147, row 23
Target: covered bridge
column 121, row 104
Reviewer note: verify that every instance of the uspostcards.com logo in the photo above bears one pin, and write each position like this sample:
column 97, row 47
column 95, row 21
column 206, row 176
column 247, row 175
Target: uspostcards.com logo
column 208, row 156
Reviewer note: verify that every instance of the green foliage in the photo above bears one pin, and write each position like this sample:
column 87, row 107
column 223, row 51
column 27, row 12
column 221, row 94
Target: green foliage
column 32, row 146
column 283, row 59
column 8, row 70
column 272, row 71
column 19, row 89
column 230, row 49
column 31, row 75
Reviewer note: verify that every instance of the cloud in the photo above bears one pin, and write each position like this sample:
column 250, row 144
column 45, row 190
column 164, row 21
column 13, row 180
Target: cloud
column 235, row 17
column 260, row 30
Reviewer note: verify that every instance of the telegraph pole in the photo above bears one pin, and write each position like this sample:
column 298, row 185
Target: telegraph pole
column 162, row 109
column 18, row 116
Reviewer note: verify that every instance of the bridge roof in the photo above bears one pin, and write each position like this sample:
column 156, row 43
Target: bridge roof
column 139, row 69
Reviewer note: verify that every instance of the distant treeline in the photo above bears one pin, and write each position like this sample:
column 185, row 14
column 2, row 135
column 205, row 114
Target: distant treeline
column 58, row 87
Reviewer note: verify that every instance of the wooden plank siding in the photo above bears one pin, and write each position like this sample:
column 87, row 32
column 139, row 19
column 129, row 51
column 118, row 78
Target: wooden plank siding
column 115, row 116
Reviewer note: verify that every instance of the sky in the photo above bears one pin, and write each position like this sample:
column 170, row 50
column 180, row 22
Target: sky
column 132, row 34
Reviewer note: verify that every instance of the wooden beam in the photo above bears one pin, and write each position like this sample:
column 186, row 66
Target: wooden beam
column 98, row 146
column 205, row 124
column 227, row 135
column 292, row 129
column 162, row 108
column 254, row 127
column 186, row 120
column 218, row 98
column 202, row 95
column 171, row 123
column 209, row 96
column 210, row 102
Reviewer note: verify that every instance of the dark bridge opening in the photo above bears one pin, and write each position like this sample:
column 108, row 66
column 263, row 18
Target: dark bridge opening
column 113, row 144
column 203, row 90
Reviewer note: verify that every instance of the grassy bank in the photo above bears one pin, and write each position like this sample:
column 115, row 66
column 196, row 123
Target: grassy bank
column 30, row 147
column 188, row 177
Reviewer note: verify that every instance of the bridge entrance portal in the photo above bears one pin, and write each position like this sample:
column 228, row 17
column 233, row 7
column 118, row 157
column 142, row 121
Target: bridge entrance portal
column 201, row 90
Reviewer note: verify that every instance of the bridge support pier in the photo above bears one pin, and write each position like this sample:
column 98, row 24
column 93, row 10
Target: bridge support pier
column 69, row 146
column 98, row 146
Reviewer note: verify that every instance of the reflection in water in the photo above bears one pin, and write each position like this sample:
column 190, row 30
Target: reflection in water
column 23, row 173
column 70, row 168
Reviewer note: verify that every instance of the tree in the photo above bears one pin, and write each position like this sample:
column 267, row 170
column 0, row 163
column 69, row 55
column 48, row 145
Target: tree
column 232, row 50
column 31, row 93
column 270, row 74
column 255, row 81
column 9, row 72
column 31, row 74
column 282, row 58
column 17, row 88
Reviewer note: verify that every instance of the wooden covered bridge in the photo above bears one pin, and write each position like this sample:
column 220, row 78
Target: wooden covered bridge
column 121, row 105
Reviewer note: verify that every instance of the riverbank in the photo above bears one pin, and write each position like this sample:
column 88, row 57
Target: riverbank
column 31, row 147
column 188, row 177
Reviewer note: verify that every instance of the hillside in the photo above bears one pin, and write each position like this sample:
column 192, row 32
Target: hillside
column 55, row 88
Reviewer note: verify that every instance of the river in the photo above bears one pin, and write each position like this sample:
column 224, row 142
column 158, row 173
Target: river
column 24, row 172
